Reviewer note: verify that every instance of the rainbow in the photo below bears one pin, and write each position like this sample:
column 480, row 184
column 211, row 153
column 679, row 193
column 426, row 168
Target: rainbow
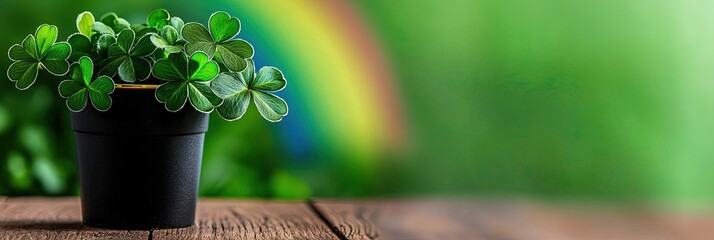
column 340, row 86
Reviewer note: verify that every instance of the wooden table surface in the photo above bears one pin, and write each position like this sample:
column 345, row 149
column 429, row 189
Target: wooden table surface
column 59, row 218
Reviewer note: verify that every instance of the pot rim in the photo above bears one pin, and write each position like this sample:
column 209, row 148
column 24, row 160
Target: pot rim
column 136, row 86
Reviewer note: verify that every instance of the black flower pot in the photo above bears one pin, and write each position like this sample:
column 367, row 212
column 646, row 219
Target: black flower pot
column 138, row 163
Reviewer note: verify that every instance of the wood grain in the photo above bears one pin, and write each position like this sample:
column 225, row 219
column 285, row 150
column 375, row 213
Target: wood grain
column 453, row 219
column 59, row 218
column 230, row 219
column 602, row 222
column 413, row 219
column 52, row 218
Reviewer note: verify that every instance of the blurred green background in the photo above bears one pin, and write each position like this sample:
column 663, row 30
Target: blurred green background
column 601, row 100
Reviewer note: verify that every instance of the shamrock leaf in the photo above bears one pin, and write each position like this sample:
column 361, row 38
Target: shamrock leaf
column 219, row 41
column 187, row 78
column 168, row 37
column 38, row 52
column 110, row 24
column 81, row 87
column 80, row 42
column 158, row 18
column 168, row 40
column 85, row 21
column 81, row 46
column 236, row 90
column 129, row 57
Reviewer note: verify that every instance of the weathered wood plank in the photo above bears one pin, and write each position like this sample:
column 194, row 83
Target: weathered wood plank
column 451, row 219
column 52, row 218
column 411, row 219
column 231, row 219
column 602, row 222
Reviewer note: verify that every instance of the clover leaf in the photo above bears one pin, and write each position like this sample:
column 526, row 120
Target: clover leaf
column 129, row 57
column 187, row 78
column 158, row 18
column 110, row 24
column 38, row 52
column 236, row 90
column 219, row 41
column 168, row 40
column 168, row 37
column 80, row 42
column 81, row 87
column 85, row 21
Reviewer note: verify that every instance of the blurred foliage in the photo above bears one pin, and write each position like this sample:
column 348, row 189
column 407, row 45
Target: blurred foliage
column 552, row 98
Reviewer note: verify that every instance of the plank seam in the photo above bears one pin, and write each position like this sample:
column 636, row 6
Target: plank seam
column 327, row 222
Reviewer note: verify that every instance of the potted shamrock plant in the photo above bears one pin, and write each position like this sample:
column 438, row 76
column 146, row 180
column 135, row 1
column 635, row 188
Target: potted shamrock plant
column 139, row 96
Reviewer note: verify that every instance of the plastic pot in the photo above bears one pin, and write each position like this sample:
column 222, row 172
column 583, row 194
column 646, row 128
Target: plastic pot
column 139, row 164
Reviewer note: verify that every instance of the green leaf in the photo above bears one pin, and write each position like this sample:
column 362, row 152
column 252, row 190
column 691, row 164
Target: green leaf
column 134, row 68
column 46, row 36
column 56, row 67
column 100, row 101
column 226, row 85
column 223, row 26
column 125, row 39
column 30, row 46
column 271, row 107
column 248, row 75
column 269, row 79
column 207, row 47
column 85, row 21
column 23, row 73
column 173, row 94
column 142, row 29
column 80, row 46
column 58, row 51
column 235, row 95
column 102, row 28
column 173, row 68
column 108, row 19
column 159, row 42
column 236, row 89
column 188, row 77
column 121, row 24
column 104, row 42
column 55, row 60
column 76, row 73
column 142, row 67
column 128, row 58
column 177, row 23
column 102, row 84
column 143, row 47
column 38, row 52
column 198, row 38
column 195, row 32
column 233, row 54
column 201, row 97
column 170, row 34
column 172, row 49
column 86, row 66
column 17, row 53
column 81, row 87
column 77, row 101
column 201, row 67
column 69, row 87
column 126, row 71
column 111, row 65
column 99, row 92
column 158, row 18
